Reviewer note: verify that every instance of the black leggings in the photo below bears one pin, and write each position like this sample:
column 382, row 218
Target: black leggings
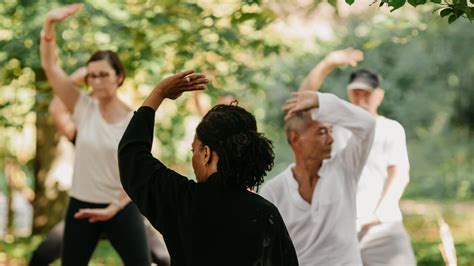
column 125, row 231
column 50, row 248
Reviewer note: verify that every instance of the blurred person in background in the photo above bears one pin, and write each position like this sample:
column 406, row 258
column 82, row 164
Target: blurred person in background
column 98, row 204
column 50, row 248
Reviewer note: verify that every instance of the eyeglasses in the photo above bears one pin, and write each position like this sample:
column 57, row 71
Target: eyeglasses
column 100, row 75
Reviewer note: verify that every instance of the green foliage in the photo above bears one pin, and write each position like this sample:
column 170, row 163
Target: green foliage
column 19, row 251
column 454, row 8
column 427, row 253
column 416, row 2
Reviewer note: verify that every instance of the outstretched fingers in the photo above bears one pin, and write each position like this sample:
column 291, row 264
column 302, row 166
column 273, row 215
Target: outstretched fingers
column 183, row 74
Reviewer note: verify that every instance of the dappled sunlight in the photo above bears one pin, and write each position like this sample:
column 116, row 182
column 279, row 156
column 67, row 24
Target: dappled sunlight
column 261, row 51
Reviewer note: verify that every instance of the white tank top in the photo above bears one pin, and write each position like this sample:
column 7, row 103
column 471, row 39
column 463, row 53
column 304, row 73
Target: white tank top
column 96, row 176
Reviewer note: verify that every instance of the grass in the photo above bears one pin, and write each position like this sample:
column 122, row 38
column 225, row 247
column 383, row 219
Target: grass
column 18, row 252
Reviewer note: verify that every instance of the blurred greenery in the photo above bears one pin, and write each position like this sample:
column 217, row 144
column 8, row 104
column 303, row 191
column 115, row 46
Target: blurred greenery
column 251, row 49
column 20, row 250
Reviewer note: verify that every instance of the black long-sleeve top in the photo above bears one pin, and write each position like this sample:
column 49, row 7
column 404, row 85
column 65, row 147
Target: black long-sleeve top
column 204, row 223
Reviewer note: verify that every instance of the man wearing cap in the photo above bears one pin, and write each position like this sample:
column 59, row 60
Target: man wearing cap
column 316, row 195
column 382, row 236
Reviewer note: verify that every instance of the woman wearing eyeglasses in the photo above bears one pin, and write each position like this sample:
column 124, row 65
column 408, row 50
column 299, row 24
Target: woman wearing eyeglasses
column 98, row 204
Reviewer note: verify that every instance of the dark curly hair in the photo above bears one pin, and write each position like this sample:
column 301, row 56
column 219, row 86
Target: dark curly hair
column 245, row 155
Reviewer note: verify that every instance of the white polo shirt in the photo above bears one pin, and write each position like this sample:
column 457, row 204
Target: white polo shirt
column 96, row 176
column 324, row 232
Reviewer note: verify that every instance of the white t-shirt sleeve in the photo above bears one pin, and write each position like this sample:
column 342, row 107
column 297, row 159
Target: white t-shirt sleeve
column 358, row 121
column 267, row 192
column 397, row 147
column 82, row 109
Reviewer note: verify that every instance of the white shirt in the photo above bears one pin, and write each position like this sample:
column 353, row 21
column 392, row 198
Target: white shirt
column 324, row 232
column 388, row 149
column 96, row 176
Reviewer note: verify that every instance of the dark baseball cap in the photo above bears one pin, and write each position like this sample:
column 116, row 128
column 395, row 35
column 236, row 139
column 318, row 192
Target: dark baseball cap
column 364, row 79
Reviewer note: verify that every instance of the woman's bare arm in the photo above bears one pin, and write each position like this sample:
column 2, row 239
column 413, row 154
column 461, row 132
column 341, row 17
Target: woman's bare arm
column 63, row 86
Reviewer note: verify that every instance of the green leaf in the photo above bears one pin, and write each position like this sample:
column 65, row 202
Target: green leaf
column 416, row 2
column 333, row 3
column 350, row 2
column 452, row 18
column 396, row 4
column 470, row 13
column 437, row 1
column 446, row 12
column 472, row 1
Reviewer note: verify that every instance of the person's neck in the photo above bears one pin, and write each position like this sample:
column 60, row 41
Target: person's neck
column 107, row 102
column 112, row 109
column 306, row 174
column 373, row 112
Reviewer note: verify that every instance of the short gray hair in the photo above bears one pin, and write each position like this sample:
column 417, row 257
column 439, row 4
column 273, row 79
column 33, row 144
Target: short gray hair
column 297, row 123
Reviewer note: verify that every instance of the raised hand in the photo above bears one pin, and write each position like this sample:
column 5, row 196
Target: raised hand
column 174, row 86
column 301, row 101
column 348, row 56
column 61, row 13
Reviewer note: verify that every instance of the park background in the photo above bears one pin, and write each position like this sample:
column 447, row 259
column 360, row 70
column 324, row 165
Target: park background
column 260, row 51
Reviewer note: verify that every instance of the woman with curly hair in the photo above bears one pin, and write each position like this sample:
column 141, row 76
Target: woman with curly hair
column 216, row 220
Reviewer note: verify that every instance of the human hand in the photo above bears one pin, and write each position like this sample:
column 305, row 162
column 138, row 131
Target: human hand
column 97, row 214
column 174, row 86
column 348, row 56
column 367, row 223
column 302, row 101
column 61, row 13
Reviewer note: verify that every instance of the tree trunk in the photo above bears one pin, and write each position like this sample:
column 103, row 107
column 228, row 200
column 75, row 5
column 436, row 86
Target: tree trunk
column 47, row 210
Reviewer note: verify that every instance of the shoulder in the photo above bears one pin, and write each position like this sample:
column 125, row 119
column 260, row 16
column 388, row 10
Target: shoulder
column 125, row 110
column 390, row 126
column 85, row 108
column 275, row 182
column 265, row 206
column 85, row 100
